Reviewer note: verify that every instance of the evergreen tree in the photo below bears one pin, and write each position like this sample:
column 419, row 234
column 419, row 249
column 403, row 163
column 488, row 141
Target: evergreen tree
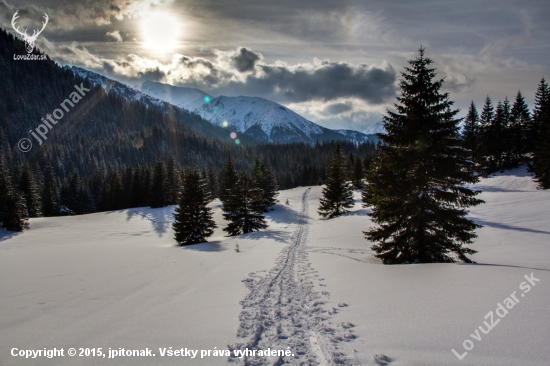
column 213, row 183
column 135, row 189
column 50, row 192
column 520, row 124
column 228, row 179
column 13, row 211
column 264, row 178
column 193, row 221
column 541, row 124
column 470, row 133
column 207, row 192
column 338, row 192
column 485, row 120
column 358, row 174
column 416, row 185
column 159, row 186
column 31, row 191
column 243, row 207
column 496, row 140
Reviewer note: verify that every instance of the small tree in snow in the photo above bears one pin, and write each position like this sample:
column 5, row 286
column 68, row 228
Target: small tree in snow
column 193, row 218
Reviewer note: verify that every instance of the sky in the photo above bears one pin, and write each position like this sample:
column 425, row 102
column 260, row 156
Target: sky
column 337, row 63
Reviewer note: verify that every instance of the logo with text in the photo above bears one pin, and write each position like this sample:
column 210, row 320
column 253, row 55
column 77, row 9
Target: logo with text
column 29, row 40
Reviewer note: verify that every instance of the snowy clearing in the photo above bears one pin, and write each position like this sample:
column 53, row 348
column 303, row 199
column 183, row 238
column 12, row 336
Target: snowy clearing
column 115, row 280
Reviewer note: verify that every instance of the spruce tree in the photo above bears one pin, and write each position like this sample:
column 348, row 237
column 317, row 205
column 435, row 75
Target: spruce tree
column 228, row 178
column 50, row 192
column 30, row 190
column 159, row 186
column 338, row 192
column 485, row 120
column 358, row 174
column 416, row 185
column 208, row 192
column 264, row 178
column 243, row 207
column 213, row 182
column 520, row 125
column 470, row 133
column 193, row 221
column 541, row 124
column 13, row 210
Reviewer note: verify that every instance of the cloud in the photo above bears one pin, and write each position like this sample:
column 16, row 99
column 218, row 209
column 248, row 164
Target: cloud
column 115, row 34
column 245, row 59
column 338, row 108
column 326, row 81
column 243, row 72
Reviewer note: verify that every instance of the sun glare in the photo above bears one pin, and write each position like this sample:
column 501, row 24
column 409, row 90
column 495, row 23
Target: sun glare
column 161, row 31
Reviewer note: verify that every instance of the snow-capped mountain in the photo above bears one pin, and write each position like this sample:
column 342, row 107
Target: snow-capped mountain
column 374, row 128
column 124, row 90
column 187, row 98
column 257, row 117
column 264, row 120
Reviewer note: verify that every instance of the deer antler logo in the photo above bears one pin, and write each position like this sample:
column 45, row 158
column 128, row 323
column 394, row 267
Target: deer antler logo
column 29, row 40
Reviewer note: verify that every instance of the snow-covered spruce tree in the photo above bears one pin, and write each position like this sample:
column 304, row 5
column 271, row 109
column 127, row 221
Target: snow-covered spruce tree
column 243, row 207
column 416, row 184
column 13, row 211
column 541, row 125
column 338, row 191
column 193, row 221
column 264, row 178
column 228, row 179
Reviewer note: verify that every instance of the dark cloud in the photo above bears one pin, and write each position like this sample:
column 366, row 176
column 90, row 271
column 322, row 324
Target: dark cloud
column 326, row 81
column 245, row 60
column 338, row 108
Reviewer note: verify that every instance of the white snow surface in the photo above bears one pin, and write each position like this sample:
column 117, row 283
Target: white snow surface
column 115, row 279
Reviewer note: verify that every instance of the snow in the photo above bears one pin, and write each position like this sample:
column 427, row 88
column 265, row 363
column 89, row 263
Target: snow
column 116, row 279
column 245, row 112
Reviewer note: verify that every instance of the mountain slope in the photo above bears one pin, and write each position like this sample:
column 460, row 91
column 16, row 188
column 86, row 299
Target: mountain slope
column 262, row 119
column 187, row 98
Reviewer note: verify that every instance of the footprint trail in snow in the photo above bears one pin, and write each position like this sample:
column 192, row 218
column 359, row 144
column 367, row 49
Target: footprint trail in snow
column 283, row 311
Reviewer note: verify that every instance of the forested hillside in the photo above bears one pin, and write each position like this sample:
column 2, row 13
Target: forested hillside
column 104, row 146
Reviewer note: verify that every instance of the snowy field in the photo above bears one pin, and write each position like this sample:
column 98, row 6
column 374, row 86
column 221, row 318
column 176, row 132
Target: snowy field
column 116, row 280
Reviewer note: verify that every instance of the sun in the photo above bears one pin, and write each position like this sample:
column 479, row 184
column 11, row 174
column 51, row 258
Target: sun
column 160, row 31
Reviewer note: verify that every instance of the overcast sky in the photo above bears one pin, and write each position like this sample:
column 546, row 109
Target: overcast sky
column 335, row 62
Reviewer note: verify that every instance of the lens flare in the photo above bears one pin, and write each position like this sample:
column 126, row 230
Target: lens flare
column 137, row 142
column 238, row 142
column 207, row 99
column 225, row 123
column 233, row 135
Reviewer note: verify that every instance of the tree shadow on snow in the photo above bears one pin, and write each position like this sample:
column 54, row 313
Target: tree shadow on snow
column 510, row 227
column 511, row 266
column 212, row 246
column 283, row 214
column 277, row 235
column 161, row 218
column 6, row 234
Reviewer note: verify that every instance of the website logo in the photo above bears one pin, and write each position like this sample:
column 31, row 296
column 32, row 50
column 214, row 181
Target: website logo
column 29, row 40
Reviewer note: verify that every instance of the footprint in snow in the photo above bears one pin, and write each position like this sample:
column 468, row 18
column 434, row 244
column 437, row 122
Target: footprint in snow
column 382, row 360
